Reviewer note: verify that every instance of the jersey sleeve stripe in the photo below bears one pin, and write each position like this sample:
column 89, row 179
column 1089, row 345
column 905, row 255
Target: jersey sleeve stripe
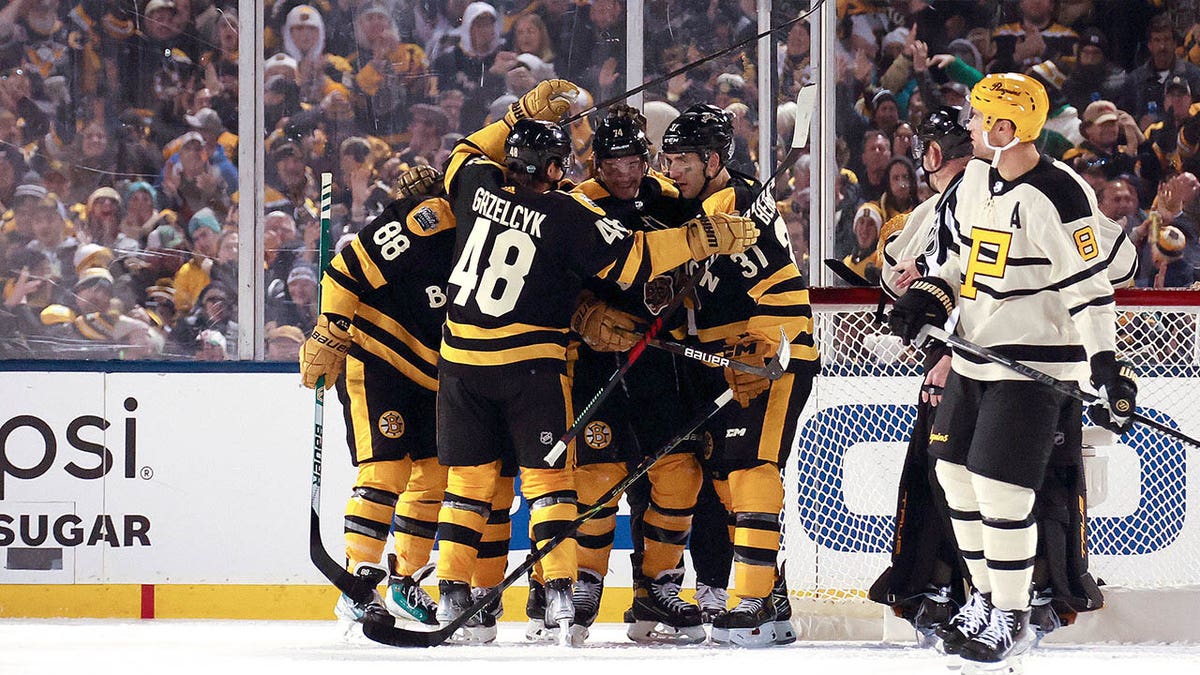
column 1038, row 353
column 370, row 271
column 1106, row 300
column 368, row 341
column 502, row 357
column 469, row 332
column 793, row 299
column 784, row 273
column 336, row 297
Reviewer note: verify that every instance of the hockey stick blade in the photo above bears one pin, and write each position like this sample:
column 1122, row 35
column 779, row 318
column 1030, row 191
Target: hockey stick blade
column 806, row 104
column 846, row 274
column 1068, row 388
column 384, row 630
column 771, row 370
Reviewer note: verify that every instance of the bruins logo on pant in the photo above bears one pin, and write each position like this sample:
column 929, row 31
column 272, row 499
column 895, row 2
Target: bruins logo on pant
column 391, row 424
column 598, row 435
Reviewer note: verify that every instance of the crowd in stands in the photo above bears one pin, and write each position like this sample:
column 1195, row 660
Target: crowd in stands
column 119, row 118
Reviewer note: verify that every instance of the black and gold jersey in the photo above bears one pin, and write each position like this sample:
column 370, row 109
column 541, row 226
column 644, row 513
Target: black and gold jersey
column 391, row 281
column 521, row 256
column 759, row 290
column 657, row 206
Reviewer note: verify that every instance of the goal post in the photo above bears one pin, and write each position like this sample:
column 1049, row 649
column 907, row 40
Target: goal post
column 841, row 477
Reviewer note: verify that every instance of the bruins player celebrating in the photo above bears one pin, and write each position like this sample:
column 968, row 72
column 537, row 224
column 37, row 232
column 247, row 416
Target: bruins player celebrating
column 606, row 318
column 1029, row 278
column 382, row 307
column 521, row 252
column 742, row 303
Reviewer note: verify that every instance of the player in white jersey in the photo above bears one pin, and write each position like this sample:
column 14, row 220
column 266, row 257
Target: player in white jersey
column 1028, row 273
column 925, row 578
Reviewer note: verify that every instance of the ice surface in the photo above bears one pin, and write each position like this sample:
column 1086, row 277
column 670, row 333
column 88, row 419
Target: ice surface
column 41, row 647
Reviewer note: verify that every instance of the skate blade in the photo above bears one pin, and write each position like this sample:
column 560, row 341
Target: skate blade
column 1014, row 665
column 473, row 635
column 785, row 633
column 751, row 638
column 930, row 640
column 579, row 635
column 651, row 632
column 536, row 631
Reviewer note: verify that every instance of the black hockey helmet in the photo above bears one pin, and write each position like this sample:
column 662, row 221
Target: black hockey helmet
column 946, row 126
column 533, row 145
column 619, row 137
column 702, row 129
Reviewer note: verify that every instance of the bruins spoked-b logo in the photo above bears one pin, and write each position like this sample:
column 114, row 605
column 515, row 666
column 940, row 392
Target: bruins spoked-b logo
column 391, row 424
column 598, row 435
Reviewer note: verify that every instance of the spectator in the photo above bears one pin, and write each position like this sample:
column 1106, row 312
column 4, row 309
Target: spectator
column 24, row 200
column 1143, row 93
column 162, row 56
column 219, row 144
column 215, row 310
column 425, row 130
column 211, row 345
column 390, row 75
column 364, row 196
column 102, row 221
column 283, row 343
column 849, row 200
column 1117, row 199
column 1174, row 138
column 109, row 333
column 1061, row 131
column 225, row 267
column 596, row 57
column 1036, row 37
column 1094, row 77
column 871, row 169
column 190, row 182
column 289, row 187
column 50, row 237
column 281, row 243
column 902, row 140
column 137, row 158
column 795, row 60
column 529, row 36
column 900, row 195
column 864, row 260
column 1172, row 236
column 885, row 112
column 203, row 229
column 476, row 66
column 1110, row 136
column 296, row 305
column 304, row 40
column 451, row 102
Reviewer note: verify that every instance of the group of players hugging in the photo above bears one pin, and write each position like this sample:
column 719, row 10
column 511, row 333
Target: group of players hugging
column 466, row 324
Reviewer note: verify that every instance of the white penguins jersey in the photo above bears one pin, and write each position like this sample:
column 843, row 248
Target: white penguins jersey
column 926, row 237
column 1030, row 269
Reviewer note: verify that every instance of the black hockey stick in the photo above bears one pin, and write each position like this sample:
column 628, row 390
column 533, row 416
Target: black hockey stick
column 383, row 629
column 762, row 204
column 358, row 589
column 689, row 66
column 1068, row 388
column 846, row 274
column 769, row 371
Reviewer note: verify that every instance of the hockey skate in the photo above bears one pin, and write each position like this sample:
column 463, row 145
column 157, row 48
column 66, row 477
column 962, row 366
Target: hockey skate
column 1043, row 618
column 971, row 618
column 348, row 611
column 998, row 648
column 934, row 610
column 586, row 596
column 535, row 609
column 560, row 613
column 785, row 633
column 750, row 624
column 713, row 601
column 661, row 616
column 456, row 599
column 407, row 601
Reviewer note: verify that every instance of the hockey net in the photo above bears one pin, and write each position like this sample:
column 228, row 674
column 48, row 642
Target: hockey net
column 842, row 475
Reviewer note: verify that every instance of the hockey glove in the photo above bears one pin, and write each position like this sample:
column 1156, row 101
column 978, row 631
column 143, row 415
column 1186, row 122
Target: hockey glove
column 419, row 181
column 548, row 101
column 1117, row 385
column 746, row 386
column 720, row 233
column 929, row 300
column 621, row 110
column 604, row 328
column 324, row 353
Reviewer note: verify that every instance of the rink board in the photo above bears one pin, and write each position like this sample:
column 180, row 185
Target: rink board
column 193, row 489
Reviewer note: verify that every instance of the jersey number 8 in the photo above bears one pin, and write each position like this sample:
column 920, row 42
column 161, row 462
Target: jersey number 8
column 492, row 297
column 391, row 240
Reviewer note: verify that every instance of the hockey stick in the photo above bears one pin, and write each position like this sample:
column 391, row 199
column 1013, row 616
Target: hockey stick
column 689, row 66
column 768, row 371
column 763, row 204
column 358, row 589
column 846, row 274
column 384, row 630
column 1067, row 388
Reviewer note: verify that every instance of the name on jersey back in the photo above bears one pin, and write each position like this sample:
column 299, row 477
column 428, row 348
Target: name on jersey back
column 503, row 212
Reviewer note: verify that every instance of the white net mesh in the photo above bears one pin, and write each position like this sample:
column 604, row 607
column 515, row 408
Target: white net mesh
column 842, row 475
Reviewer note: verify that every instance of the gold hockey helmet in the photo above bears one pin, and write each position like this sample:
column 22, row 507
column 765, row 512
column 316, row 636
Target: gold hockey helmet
column 1017, row 98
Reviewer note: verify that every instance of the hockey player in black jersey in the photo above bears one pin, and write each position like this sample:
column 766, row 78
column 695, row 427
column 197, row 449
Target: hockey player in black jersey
column 642, row 200
column 382, row 308
column 521, row 253
column 1027, row 273
column 742, row 302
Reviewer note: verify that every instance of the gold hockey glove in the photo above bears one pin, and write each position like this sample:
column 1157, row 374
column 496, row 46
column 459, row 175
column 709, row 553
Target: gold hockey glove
column 720, row 233
column 324, row 353
column 604, row 328
column 746, row 386
column 548, row 101
column 419, row 181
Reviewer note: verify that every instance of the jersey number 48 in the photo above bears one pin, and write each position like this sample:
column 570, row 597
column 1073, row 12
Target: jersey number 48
column 499, row 286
